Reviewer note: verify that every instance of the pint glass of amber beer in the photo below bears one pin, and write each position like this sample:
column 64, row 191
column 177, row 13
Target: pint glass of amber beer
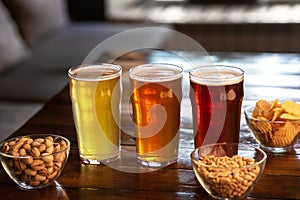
column 156, row 98
column 95, row 91
column 216, row 94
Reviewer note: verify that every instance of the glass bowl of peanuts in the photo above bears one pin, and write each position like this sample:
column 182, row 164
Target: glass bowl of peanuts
column 228, row 170
column 34, row 161
column 275, row 125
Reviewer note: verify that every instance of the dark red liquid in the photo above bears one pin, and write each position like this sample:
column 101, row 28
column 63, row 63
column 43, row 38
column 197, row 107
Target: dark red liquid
column 216, row 112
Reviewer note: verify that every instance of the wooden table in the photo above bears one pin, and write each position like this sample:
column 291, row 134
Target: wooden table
column 266, row 76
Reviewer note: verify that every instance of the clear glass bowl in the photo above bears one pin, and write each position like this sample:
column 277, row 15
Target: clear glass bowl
column 228, row 170
column 34, row 161
column 274, row 136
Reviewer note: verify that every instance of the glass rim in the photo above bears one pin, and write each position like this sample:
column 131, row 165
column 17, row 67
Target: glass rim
column 133, row 74
column 35, row 136
column 248, row 112
column 99, row 74
column 197, row 77
column 196, row 157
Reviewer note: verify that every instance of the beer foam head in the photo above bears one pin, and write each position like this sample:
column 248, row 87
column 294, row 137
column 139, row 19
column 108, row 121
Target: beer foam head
column 216, row 75
column 95, row 72
column 156, row 72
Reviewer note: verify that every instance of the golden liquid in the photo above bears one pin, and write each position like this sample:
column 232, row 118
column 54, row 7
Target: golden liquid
column 155, row 144
column 96, row 113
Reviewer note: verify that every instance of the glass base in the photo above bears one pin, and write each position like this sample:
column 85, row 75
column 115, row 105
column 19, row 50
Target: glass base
column 26, row 186
column 276, row 149
column 155, row 162
column 93, row 161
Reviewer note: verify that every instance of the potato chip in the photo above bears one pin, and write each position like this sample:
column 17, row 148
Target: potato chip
column 291, row 107
column 263, row 126
column 255, row 112
column 277, row 113
column 263, row 105
column 298, row 126
column 280, row 142
column 275, row 104
column 285, row 135
column 265, row 109
column 288, row 116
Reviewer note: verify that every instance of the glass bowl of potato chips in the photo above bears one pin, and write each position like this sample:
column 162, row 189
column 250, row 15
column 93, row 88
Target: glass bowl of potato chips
column 275, row 125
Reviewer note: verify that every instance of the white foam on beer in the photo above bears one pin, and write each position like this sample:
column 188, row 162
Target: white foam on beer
column 155, row 74
column 95, row 72
column 216, row 78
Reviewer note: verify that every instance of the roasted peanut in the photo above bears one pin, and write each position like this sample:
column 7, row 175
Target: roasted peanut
column 227, row 177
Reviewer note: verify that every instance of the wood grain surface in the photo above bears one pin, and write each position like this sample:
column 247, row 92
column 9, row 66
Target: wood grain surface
column 267, row 76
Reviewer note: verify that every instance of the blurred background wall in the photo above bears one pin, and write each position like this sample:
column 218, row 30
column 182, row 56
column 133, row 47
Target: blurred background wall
column 220, row 25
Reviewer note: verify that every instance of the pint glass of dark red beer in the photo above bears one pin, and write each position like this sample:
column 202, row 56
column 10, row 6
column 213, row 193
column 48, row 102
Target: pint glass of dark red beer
column 216, row 94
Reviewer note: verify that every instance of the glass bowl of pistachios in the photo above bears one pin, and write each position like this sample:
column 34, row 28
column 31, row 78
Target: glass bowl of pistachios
column 34, row 161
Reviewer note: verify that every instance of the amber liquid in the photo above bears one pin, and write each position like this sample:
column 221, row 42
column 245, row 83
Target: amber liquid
column 216, row 112
column 156, row 112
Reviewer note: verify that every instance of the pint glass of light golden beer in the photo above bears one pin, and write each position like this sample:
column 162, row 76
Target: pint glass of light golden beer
column 156, row 98
column 216, row 94
column 95, row 91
